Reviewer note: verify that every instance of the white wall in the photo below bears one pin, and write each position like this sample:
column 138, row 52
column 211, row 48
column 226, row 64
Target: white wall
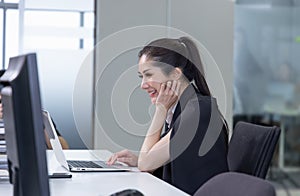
column 211, row 22
column 208, row 21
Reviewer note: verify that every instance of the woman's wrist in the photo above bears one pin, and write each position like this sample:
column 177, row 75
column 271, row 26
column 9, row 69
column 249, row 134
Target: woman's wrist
column 161, row 109
column 158, row 119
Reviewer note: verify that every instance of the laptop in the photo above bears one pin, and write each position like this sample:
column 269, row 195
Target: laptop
column 75, row 165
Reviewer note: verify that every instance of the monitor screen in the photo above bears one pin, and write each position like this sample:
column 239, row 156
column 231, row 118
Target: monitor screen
column 22, row 115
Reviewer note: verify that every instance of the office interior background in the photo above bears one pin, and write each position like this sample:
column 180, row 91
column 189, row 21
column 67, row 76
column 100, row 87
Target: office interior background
column 255, row 44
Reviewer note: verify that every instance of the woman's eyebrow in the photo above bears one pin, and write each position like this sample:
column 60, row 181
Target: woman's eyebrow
column 143, row 71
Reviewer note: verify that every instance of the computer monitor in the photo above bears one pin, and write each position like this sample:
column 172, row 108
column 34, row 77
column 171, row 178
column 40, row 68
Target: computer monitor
column 25, row 140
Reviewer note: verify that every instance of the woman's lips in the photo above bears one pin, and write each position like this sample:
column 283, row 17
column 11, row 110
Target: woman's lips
column 152, row 93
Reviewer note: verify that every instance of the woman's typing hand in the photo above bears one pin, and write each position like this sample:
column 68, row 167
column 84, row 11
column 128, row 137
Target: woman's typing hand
column 124, row 156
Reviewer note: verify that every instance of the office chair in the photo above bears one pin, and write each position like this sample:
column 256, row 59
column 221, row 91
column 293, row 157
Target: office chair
column 236, row 184
column 251, row 148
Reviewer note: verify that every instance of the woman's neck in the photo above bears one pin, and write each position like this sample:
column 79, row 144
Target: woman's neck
column 183, row 86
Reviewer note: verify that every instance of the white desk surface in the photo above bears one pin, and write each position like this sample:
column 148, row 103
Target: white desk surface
column 99, row 183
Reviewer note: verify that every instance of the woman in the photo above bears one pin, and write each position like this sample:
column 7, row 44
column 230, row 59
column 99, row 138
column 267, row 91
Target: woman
column 168, row 68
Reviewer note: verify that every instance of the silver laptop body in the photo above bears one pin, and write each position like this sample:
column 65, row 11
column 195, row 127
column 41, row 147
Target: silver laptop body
column 74, row 165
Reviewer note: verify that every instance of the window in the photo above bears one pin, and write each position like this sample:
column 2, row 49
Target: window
column 51, row 18
column 54, row 29
column 9, row 30
column 44, row 28
column 1, row 37
column 12, row 34
column 11, row 1
column 61, row 33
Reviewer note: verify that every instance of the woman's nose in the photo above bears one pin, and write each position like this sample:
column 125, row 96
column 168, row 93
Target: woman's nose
column 144, row 85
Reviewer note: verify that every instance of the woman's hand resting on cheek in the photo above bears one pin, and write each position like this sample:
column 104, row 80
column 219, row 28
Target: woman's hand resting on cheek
column 168, row 94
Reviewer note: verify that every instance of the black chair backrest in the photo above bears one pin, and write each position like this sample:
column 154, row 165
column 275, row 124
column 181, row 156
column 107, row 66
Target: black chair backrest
column 236, row 184
column 251, row 148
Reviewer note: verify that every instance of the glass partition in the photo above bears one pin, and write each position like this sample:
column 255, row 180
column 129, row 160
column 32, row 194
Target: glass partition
column 267, row 71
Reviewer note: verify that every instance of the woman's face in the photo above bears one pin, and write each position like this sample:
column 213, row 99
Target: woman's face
column 152, row 77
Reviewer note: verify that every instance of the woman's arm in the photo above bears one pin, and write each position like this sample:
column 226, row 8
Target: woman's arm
column 155, row 151
column 63, row 142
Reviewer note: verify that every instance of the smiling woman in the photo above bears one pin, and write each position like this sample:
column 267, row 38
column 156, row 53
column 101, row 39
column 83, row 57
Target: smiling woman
column 153, row 77
column 172, row 74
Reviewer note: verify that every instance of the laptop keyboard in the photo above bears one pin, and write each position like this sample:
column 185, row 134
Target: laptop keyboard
column 83, row 164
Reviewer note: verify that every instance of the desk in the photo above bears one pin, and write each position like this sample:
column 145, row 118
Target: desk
column 99, row 183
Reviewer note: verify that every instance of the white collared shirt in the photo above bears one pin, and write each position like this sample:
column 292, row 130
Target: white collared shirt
column 170, row 114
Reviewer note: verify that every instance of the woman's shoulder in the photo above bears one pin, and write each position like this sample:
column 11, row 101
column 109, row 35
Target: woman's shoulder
column 201, row 100
column 198, row 104
column 205, row 98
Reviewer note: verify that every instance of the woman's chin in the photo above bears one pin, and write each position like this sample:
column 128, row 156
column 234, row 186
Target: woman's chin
column 153, row 100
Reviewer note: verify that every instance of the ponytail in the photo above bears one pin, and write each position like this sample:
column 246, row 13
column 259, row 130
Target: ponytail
column 193, row 69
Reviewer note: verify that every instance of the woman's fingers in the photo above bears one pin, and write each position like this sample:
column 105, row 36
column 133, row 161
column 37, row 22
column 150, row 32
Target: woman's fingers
column 126, row 160
column 114, row 158
column 173, row 88
column 168, row 94
column 111, row 160
column 168, row 88
column 163, row 87
column 123, row 156
column 177, row 88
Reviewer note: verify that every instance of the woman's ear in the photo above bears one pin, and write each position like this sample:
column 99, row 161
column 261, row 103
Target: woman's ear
column 177, row 73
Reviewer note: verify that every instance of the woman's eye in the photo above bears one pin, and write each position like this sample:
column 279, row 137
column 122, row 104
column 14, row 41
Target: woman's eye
column 145, row 75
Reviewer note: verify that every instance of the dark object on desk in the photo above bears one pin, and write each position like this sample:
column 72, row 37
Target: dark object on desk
column 60, row 175
column 26, row 151
column 236, row 184
column 251, row 148
column 128, row 192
